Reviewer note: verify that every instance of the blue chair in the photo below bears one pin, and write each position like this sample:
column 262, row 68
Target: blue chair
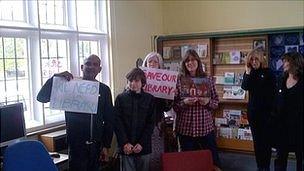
column 27, row 156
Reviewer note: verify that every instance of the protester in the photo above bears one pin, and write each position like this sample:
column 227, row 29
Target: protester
column 134, row 123
column 290, row 111
column 260, row 83
column 84, row 150
column 194, row 122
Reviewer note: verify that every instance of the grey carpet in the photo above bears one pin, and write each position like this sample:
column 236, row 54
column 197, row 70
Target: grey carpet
column 245, row 162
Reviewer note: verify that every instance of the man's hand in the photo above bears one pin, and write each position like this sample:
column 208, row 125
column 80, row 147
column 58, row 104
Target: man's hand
column 68, row 76
column 137, row 148
column 104, row 155
column 128, row 148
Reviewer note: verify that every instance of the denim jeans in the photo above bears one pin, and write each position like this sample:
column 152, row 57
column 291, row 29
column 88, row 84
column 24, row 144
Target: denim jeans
column 135, row 163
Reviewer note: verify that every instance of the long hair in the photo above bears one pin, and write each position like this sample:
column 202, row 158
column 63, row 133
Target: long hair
column 258, row 54
column 296, row 63
column 199, row 71
column 153, row 55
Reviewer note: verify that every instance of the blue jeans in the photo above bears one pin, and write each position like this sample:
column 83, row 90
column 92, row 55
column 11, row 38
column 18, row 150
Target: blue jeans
column 189, row 143
column 135, row 163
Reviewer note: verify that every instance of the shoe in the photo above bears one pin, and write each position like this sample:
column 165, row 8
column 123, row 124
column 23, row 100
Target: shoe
column 217, row 168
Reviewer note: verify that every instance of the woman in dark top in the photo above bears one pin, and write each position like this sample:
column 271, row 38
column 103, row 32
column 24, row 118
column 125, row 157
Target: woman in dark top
column 290, row 110
column 260, row 83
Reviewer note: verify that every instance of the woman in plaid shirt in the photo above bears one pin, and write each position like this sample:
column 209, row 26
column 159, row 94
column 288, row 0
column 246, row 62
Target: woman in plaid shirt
column 194, row 122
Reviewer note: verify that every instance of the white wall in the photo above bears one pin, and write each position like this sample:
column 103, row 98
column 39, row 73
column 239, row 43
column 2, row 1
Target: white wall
column 133, row 25
column 212, row 16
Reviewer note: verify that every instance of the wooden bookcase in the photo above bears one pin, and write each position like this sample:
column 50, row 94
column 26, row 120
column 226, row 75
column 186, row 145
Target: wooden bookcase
column 243, row 44
column 227, row 42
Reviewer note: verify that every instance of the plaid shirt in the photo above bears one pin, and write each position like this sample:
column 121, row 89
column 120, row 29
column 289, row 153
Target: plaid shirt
column 195, row 120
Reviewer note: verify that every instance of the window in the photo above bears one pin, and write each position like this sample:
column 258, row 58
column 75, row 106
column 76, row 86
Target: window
column 12, row 10
column 40, row 38
column 52, row 12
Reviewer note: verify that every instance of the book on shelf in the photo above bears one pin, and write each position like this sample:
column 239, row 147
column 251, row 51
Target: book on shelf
column 172, row 66
column 225, row 132
column 231, row 57
column 202, row 50
column 219, row 79
column 229, row 78
column 232, row 116
column 233, row 92
column 220, row 121
column 244, row 134
column 195, row 87
column 176, row 52
column 235, row 57
column 238, row 78
column 225, row 59
column 184, row 49
column 244, row 119
column 167, row 52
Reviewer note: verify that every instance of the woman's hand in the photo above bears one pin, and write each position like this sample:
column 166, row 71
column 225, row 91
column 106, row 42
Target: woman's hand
column 190, row 100
column 204, row 100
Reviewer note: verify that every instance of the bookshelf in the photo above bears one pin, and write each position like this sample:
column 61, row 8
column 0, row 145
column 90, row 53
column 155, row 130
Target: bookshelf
column 222, row 44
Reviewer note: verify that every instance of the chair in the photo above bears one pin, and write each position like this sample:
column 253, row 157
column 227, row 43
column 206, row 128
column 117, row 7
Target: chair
column 200, row 160
column 27, row 156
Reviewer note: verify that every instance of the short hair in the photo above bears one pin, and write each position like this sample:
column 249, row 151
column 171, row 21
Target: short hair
column 137, row 74
column 258, row 53
column 92, row 56
column 296, row 63
column 199, row 72
column 153, row 54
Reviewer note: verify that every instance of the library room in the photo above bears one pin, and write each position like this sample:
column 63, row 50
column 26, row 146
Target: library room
column 128, row 85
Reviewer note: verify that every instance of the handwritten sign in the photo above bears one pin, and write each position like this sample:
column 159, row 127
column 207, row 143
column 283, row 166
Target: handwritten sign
column 79, row 96
column 160, row 83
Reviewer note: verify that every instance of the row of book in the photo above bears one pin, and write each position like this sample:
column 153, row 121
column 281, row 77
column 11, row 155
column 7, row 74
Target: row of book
column 229, row 78
column 234, row 133
column 231, row 57
column 177, row 52
column 233, row 124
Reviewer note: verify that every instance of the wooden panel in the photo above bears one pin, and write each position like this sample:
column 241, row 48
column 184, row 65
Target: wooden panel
column 234, row 144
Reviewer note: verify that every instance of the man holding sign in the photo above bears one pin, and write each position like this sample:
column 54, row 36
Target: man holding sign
column 88, row 113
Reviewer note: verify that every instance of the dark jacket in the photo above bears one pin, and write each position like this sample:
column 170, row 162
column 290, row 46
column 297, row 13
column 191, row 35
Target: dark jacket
column 161, row 106
column 289, row 110
column 261, row 86
column 134, row 119
column 78, row 124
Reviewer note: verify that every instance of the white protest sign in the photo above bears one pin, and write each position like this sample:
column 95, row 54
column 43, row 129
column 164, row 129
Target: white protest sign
column 160, row 83
column 75, row 95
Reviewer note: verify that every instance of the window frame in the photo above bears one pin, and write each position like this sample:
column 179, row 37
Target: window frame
column 34, row 32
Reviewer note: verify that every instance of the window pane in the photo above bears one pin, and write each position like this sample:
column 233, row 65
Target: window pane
column 54, row 60
column 86, row 48
column 51, row 12
column 14, row 74
column 52, row 48
column 86, row 14
column 12, row 10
